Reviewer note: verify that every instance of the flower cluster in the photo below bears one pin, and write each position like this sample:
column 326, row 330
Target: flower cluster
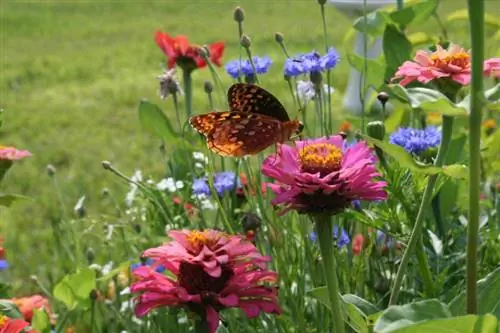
column 416, row 141
column 319, row 176
column 237, row 68
column 211, row 271
column 311, row 62
column 224, row 182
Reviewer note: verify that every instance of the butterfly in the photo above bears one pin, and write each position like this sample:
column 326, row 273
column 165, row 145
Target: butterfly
column 256, row 121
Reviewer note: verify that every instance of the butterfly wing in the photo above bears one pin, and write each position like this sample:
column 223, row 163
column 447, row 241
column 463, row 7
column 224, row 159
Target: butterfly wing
column 237, row 134
column 250, row 98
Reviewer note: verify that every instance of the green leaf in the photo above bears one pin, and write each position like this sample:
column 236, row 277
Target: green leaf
column 492, row 96
column 399, row 316
column 456, row 171
column 465, row 324
column 8, row 199
column 397, row 49
column 355, row 317
column 154, row 120
column 4, row 167
column 9, row 309
column 41, row 321
column 375, row 23
column 415, row 14
column 488, row 296
column 399, row 117
column 366, row 307
column 375, row 69
column 74, row 290
column 463, row 15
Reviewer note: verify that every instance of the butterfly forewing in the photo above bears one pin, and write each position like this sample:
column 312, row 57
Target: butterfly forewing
column 250, row 98
column 237, row 133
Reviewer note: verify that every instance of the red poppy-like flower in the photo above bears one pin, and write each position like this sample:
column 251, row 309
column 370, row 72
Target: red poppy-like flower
column 213, row 271
column 179, row 51
column 357, row 244
column 8, row 325
column 27, row 305
column 12, row 154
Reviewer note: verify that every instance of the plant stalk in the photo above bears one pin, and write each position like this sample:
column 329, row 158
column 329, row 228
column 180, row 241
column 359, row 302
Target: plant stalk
column 416, row 234
column 188, row 92
column 476, row 19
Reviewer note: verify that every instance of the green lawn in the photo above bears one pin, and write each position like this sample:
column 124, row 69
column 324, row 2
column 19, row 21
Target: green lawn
column 73, row 74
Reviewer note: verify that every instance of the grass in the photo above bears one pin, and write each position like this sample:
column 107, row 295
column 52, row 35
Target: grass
column 73, row 74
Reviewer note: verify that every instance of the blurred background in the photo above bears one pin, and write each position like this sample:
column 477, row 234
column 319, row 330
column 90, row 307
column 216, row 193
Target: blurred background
column 72, row 75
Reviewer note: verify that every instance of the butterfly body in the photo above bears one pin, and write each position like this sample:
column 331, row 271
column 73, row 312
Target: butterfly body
column 256, row 121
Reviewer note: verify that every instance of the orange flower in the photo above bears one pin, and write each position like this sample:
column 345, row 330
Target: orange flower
column 179, row 51
column 27, row 305
column 489, row 124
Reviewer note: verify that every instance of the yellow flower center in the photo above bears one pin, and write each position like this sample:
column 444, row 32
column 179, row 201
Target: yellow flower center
column 320, row 157
column 460, row 59
column 3, row 320
column 198, row 239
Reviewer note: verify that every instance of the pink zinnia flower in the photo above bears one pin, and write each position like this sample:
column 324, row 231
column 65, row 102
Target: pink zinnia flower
column 319, row 176
column 242, row 280
column 452, row 63
column 11, row 153
column 210, row 249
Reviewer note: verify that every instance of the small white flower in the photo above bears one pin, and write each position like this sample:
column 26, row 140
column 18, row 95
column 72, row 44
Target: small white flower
column 306, row 91
column 136, row 177
column 179, row 184
column 169, row 184
column 199, row 165
column 107, row 268
column 110, row 230
column 203, row 201
column 199, row 156
column 125, row 291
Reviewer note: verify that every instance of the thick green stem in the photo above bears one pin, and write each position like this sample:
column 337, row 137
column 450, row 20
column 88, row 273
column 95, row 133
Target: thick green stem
column 416, row 233
column 425, row 271
column 188, row 92
column 324, row 229
column 476, row 19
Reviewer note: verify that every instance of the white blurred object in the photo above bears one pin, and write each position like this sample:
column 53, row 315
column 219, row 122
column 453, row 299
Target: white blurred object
column 355, row 8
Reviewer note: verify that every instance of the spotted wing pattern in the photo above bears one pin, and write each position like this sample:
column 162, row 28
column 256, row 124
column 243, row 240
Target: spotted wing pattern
column 250, row 98
column 237, row 133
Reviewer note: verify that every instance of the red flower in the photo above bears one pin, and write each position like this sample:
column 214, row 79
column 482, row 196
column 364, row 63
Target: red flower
column 189, row 208
column 8, row 325
column 213, row 271
column 180, row 52
column 27, row 305
column 357, row 244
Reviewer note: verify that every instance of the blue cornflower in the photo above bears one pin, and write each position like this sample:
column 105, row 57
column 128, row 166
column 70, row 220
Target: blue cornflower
column 149, row 262
column 223, row 182
column 356, row 204
column 344, row 237
column 235, row 68
column 311, row 62
column 416, row 141
column 4, row 264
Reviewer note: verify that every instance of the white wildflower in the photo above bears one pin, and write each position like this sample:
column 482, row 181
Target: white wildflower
column 306, row 91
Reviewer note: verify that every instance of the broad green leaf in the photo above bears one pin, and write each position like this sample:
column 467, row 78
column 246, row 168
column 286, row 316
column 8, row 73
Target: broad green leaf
column 154, row 120
column 465, row 324
column 397, row 49
column 375, row 23
column 74, row 290
column 456, row 171
column 430, row 100
column 491, row 95
column 41, row 321
column 399, row 316
column 488, row 296
column 8, row 199
column 366, row 307
column 355, row 317
column 399, row 117
column 419, row 39
column 375, row 69
column 9, row 309
column 415, row 14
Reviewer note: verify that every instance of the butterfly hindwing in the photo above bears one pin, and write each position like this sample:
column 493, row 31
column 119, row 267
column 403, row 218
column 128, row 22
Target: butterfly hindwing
column 243, row 97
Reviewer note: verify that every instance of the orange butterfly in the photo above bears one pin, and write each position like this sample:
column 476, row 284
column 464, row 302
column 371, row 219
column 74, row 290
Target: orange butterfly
column 256, row 120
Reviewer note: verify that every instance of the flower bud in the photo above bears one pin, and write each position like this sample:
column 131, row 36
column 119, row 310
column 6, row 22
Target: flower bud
column 105, row 192
column 279, row 38
column 208, row 87
column 316, row 78
column 90, row 255
column 238, row 14
column 107, row 165
column 321, row 2
column 376, row 129
column 94, row 294
column 51, row 170
column 245, row 41
column 383, row 97
column 203, row 52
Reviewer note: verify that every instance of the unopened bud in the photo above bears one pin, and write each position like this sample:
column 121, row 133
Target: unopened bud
column 94, row 294
column 107, row 165
column 90, row 255
column 321, row 2
column 137, row 228
column 203, row 51
column 238, row 14
column 279, row 38
column 208, row 87
column 383, row 97
column 51, row 170
column 245, row 41
column 316, row 78
column 105, row 192
column 376, row 129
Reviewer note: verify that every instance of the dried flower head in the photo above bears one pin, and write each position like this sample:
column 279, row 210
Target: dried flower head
column 169, row 84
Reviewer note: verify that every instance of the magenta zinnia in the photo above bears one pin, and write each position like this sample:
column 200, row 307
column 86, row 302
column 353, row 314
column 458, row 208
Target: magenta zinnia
column 211, row 271
column 319, row 176
column 12, row 154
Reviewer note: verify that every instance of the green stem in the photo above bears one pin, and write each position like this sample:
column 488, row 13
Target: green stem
column 188, row 92
column 416, row 233
column 425, row 271
column 476, row 19
column 324, row 229
column 400, row 4
column 328, row 72
column 201, row 326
